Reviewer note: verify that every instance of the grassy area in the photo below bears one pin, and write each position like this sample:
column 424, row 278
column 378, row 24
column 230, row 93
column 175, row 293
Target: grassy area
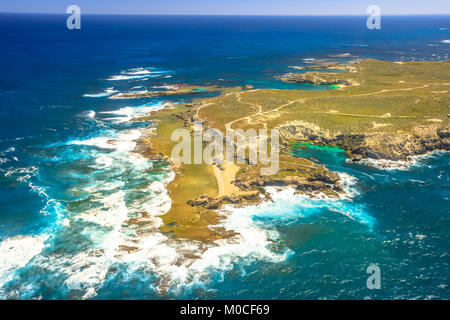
column 183, row 220
column 389, row 98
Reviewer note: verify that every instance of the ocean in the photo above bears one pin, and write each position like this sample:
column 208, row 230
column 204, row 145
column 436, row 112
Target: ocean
column 70, row 177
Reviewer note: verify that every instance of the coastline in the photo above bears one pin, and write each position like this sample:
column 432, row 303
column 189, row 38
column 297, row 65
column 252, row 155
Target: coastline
column 184, row 241
column 94, row 209
column 194, row 214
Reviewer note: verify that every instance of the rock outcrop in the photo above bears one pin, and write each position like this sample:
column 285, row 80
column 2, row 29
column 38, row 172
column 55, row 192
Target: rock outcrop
column 384, row 145
column 216, row 203
column 252, row 188
column 317, row 78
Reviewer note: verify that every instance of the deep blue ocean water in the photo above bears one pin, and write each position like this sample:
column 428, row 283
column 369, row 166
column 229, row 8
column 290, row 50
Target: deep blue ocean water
column 69, row 178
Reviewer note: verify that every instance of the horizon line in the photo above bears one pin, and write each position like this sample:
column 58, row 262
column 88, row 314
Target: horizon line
column 229, row 15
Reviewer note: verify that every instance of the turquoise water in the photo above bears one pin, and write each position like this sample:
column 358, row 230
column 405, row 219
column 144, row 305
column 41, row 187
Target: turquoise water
column 393, row 227
column 303, row 148
column 72, row 182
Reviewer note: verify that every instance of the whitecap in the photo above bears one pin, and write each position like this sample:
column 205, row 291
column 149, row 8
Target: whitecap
column 122, row 141
column 19, row 171
column 16, row 252
column 137, row 71
column 107, row 92
column 90, row 114
column 139, row 74
column 126, row 114
column 126, row 77
column 144, row 71
column 400, row 165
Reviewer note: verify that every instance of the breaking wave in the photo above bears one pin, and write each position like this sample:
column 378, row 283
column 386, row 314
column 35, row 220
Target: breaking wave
column 140, row 74
column 106, row 93
column 401, row 165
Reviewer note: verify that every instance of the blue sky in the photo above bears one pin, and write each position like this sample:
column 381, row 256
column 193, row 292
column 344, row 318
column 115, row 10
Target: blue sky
column 243, row 7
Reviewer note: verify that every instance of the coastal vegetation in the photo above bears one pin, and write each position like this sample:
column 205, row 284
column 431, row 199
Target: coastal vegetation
column 378, row 110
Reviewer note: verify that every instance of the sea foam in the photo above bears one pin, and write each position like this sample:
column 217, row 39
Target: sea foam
column 140, row 74
column 126, row 114
column 16, row 252
column 107, row 92
column 401, row 165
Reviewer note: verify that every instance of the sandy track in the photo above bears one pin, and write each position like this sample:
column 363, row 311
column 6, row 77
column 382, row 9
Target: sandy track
column 225, row 178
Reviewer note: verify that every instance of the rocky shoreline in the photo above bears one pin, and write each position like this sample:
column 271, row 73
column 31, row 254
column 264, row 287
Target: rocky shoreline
column 173, row 90
column 378, row 146
column 318, row 78
column 252, row 186
column 383, row 116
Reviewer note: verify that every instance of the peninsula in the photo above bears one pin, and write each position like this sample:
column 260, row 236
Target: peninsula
column 378, row 110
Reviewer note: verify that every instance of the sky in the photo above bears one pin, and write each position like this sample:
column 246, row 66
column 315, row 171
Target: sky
column 230, row 7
